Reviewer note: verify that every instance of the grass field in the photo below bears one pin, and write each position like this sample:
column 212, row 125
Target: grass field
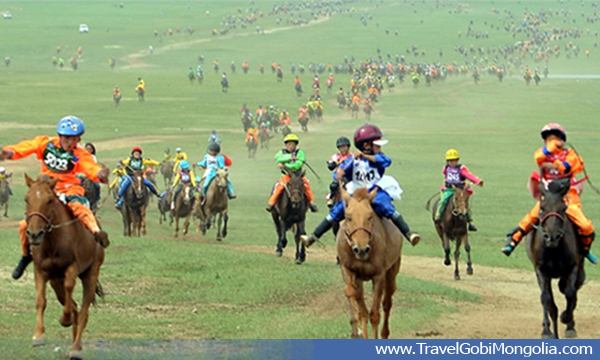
column 159, row 287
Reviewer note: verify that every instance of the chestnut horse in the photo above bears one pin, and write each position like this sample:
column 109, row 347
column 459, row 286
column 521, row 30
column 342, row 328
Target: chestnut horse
column 453, row 226
column 215, row 204
column 369, row 248
column 554, row 252
column 62, row 249
column 4, row 196
column 290, row 213
column 166, row 169
column 134, row 205
column 184, row 203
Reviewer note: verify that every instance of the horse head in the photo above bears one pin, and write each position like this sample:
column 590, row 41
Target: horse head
column 296, row 189
column 553, row 208
column 359, row 221
column 187, row 193
column 460, row 201
column 39, row 207
column 221, row 180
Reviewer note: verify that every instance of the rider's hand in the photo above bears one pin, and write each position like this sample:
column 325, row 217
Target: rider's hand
column 549, row 166
column 4, row 155
column 357, row 154
column 481, row 183
column 281, row 166
column 103, row 173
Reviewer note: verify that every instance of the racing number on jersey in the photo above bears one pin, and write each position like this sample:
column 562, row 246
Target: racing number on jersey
column 368, row 176
column 55, row 163
column 453, row 177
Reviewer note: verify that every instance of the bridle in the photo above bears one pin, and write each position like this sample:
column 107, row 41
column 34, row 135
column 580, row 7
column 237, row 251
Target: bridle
column 349, row 240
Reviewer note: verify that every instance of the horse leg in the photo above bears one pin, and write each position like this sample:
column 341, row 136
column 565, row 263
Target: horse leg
column 69, row 315
column 143, row 219
column 186, row 224
column 40, row 304
column 225, row 219
column 281, row 241
column 570, row 291
column 219, row 223
column 363, row 312
column 350, row 291
column 468, row 250
column 89, row 282
column 299, row 251
column 446, row 245
column 456, row 257
column 176, row 225
column 375, row 314
column 390, row 289
column 550, row 309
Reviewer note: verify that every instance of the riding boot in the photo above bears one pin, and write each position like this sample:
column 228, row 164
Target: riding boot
column 513, row 238
column 313, row 208
column 585, row 249
column 20, row 268
column 119, row 203
column 321, row 229
column 472, row 226
column 398, row 220
column 86, row 216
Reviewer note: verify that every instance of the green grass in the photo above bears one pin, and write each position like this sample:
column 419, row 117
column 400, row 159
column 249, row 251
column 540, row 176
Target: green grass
column 163, row 288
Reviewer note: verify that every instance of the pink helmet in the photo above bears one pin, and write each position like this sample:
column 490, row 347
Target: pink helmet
column 554, row 129
column 366, row 133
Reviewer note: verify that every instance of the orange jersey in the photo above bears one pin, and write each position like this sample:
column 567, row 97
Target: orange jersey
column 59, row 164
column 567, row 161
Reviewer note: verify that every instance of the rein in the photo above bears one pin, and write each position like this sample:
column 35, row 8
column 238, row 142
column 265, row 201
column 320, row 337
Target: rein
column 349, row 235
column 48, row 221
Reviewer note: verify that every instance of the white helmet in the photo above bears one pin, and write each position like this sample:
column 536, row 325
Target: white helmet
column 2, row 170
column 178, row 150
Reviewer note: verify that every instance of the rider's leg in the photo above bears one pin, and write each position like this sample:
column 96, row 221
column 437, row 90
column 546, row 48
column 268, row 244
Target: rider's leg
column 525, row 226
column 230, row 193
column 88, row 219
column 151, row 187
column 177, row 190
column 309, row 195
column 26, row 257
column 124, row 185
column 333, row 190
column 336, row 214
column 445, row 195
column 277, row 190
column 586, row 229
column 382, row 205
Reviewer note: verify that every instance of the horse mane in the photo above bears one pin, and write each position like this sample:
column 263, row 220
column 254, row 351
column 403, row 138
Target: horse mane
column 360, row 194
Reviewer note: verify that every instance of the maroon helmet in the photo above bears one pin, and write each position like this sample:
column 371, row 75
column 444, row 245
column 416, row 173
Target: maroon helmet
column 366, row 133
column 554, row 129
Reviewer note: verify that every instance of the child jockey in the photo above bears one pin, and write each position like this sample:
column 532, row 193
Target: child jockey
column 184, row 176
column 252, row 134
column 213, row 137
column 556, row 160
column 62, row 158
column 291, row 158
column 167, row 155
column 179, row 156
column 119, row 172
column 136, row 162
column 455, row 174
column 211, row 162
column 343, row 145
column 5, row 176
column 366, row 167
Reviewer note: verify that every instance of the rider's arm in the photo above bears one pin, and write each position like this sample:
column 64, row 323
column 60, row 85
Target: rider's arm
column 27, row 147
column 380, row 160
column 202, row 163
column 87, row 165
column 150, row 162
column 175, row 180
column 280, row 157
column 464, row 172
column 125, row 162
column 193, row 178
column 296, row 165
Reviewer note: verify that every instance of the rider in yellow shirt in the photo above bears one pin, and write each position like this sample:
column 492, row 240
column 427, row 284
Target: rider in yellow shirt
column 179, row 156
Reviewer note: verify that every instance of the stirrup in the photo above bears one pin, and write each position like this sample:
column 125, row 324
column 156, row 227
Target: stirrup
column 592, row 258
column 21, row 266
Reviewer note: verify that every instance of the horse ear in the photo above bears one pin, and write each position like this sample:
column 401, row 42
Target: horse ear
column 53, row 182
column 28, row 180
column 345, row 195
column 372, row 195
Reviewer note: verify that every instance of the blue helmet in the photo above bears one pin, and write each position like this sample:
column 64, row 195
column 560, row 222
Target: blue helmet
column 184, row 165
column 70, row 126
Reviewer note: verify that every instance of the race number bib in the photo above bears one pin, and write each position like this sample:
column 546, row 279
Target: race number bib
column 58, row 160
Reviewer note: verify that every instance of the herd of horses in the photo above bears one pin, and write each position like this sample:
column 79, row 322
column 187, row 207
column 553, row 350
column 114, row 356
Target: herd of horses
column 369, row 248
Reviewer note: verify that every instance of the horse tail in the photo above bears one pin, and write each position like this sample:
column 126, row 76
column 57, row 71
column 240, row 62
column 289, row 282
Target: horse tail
column 428, row 204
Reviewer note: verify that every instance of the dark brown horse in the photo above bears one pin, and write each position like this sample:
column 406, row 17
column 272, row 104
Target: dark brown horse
column 369, row 248
column 91, row 193
column 264, row 137
column 216, row 204
column 62, row 249
column 251, row 145
column 166, row 169
column 4, row 196
column 553, row 249
column 453, row 226
column 290, row 213
column 184, row 203
column 164, row 208
column 134, row 205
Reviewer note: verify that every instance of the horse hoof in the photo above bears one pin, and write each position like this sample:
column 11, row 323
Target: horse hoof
column 75, row 355
column 65, row 322
column 456, row 277
column 38, row 342
column 547, row 336
column 298, row 262
column 278, row 253
column 219, row 238
column 469, row 271
column 571, row 334
column 447, row 262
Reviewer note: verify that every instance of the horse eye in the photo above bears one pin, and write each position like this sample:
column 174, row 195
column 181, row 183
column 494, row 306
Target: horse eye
column 50, row 202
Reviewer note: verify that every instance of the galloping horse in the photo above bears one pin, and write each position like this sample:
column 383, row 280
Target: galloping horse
column 140, row 93
column 304, row 122
column 91, row 193
column 214, row 204
column 117, row 99
column 4, row 196
column 164, row 208
column 251, row 145
column 554, row 252
column 453, row 226
column 224, row 85
column 62, row 249
column 166, row 169
column 368, row 248
column 298, row 88
column 354, row 110
column 264, row 137
column 289, row 213
column 184, row 203
column 319, row 112
column 341, row 100
column 134, row 205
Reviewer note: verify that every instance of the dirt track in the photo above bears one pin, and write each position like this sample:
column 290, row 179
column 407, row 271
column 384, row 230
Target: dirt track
column 510, row 306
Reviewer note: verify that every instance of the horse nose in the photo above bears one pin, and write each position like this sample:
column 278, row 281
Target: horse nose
column 356, row 250
column 367, row 249
column 35, row 238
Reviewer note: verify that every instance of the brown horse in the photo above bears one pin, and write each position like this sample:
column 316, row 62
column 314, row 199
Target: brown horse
column 354, row 108
column 215, row 204
column 134, row 205
column 264, row 137
column 554, row 252
column 290, row 213
column 166, row 169
column 164, row 208
column 453, row 226
column 91, row 193
column 251, row 145
column 62, row 249
column 5, row 194
column 184, row 203
column 369, row 248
